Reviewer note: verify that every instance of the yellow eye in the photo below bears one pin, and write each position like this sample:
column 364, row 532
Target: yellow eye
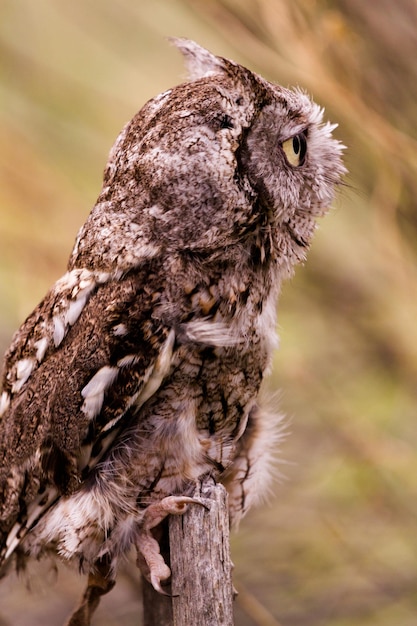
column 295, row 149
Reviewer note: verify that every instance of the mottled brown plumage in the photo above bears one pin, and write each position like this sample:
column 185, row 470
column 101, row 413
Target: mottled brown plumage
column 140, row 371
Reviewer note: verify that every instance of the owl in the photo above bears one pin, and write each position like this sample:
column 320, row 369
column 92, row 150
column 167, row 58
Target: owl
column 140, row 371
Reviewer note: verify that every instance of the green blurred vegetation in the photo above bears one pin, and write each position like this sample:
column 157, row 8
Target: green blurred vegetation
column 336, row 545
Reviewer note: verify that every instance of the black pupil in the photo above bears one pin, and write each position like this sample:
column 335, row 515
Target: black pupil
column 296, row 144
column 299, row 145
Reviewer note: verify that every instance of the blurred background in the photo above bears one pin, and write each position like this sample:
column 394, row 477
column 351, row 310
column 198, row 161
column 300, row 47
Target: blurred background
column 336, row 545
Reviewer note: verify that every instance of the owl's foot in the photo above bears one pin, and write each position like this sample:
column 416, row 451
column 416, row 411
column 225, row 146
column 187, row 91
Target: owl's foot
column 149, row 559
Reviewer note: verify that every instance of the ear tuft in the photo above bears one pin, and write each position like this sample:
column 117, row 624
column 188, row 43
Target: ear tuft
column 199, row 61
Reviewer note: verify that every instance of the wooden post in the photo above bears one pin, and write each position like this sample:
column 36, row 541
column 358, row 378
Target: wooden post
column 202, row 590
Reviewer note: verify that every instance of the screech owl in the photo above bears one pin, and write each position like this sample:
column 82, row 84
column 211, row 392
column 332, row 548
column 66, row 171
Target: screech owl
column 140, row 371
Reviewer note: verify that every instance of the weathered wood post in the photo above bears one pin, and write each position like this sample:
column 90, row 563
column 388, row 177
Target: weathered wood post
column 202, row 590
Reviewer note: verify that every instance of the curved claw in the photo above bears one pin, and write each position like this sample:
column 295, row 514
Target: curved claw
column 156, row 584
column 180, row 504
column 149, row 560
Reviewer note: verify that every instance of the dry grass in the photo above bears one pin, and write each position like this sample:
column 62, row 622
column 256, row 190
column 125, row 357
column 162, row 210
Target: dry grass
column 337, row 544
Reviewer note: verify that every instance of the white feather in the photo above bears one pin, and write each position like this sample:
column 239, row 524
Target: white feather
column 59, row 330
column 211, row 333
column 101, row 380
column 119, row 330
column 74, row 309
column 67, row 281
column 86, row 283
column 24, row 368
column 93, row 392
column 41, row 347
column 161, row 369
column 4, row 402
column 129, row 359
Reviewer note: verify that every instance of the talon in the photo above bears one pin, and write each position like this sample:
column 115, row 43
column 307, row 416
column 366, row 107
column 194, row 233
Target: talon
column 203, row 504
column 156, row 584
column 171, row 505
column 177, row 505
column 149, row 559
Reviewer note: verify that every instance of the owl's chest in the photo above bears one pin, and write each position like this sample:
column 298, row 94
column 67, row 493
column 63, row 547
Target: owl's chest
column 192, row 426
column 221, row 372
column 202, row 409
column 193, row 422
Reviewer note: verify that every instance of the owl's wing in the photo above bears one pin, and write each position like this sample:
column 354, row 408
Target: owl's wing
column 89, row 354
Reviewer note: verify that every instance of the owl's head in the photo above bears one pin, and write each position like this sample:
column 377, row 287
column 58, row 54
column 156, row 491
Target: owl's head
column 206, row 165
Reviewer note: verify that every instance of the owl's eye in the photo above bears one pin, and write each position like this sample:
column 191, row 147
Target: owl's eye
column 295, row 149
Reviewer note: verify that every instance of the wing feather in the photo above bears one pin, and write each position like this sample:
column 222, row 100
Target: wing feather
column 68, row 392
